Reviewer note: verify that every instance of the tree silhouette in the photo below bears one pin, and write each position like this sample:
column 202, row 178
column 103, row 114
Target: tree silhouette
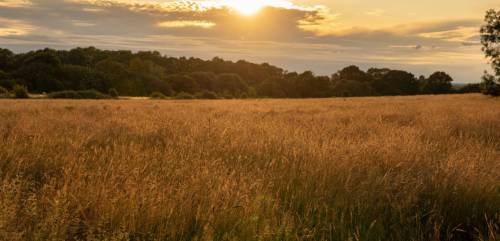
column 143, row 73
column 437, row 83
column 490, row 39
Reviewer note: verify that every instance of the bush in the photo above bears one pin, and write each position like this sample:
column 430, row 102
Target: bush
column 184, row 96
column 3, row 90
column 208, row 95
column 489, row 87
column 470, row 88
column 20, row 92
column 82, row 94
column 113, row 93
column 4, row 93
column 158, row 95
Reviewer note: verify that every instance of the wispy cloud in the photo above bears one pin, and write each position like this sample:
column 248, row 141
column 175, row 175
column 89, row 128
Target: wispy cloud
column 14, row 3
column 377, row 12
column 186, row 23
column 12, row 27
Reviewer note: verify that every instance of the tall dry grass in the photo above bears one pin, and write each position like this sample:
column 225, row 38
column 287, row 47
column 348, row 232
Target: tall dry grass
column 401, row 168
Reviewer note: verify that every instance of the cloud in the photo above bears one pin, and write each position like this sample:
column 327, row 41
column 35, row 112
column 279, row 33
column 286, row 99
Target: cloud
column 377, row 12
column 12, row 27
column 186, row 23
column 14, row 3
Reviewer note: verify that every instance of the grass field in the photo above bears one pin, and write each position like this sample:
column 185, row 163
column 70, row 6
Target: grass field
column 395, row 168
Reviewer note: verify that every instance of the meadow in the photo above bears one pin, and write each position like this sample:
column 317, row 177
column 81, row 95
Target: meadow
column 380, row 168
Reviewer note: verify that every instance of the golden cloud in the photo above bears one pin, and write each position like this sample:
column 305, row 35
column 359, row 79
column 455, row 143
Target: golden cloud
column 14, row 3
column 10, row 27
column 186, row 23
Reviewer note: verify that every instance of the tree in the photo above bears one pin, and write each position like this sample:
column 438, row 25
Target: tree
column 76, row 77
column 20, row 92
column 6, row 81
column 470, row 88
column 142, row 73
column 437, row 83
column 113, row 93
column 489, row 87
column 3, row 91
column 376, row 73
column 232, row 84
column 116, row 76
column 205, row 80
column 353, row 73
column 182, row 83
column 40, row 71
column 6, row 57
column 348, row 88
column 404, row 83
column 271, row 88
column 490, row 39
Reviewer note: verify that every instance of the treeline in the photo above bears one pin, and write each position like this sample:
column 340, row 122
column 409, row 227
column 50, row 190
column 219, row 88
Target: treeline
column 145, row 73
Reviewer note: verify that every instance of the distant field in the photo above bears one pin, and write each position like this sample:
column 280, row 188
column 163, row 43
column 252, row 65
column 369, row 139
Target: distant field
column 395, row 168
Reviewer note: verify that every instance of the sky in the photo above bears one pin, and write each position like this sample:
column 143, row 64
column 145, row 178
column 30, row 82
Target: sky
column 320, row 35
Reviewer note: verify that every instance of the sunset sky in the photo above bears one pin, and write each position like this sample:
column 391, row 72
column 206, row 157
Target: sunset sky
column 319, row 35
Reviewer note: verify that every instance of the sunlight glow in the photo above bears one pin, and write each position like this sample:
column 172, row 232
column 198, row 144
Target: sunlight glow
column 252, row 7
column 247, row 7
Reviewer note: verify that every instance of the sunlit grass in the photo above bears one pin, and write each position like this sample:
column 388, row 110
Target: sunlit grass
column 398, row 168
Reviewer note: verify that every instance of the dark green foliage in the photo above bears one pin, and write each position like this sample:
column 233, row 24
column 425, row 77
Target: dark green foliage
column 75, row 77
column 205, row 80
column 3, row 92
column 184, row 96
column 437, row 83
column 183, row 83
column 209, row 95
column 80, row 94
column 113, row 93
column 470, row 88
column 7, row 83
column 353, row 73
column 158, row 95
column 20, row 92
column 352, row 88
column 490, row 39
column 231, row 83
column 6, row 58
column 6, row 80
column 393, row 82
column 489, row 87
column 142, row 73
column 273, row 88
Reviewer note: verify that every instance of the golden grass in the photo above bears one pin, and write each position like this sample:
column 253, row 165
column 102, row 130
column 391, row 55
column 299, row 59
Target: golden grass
column 396, row 168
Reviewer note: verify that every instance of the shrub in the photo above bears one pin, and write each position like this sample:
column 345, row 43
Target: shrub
column 227, row 95
column 113, row 93
column 20, row 92
column 489, row 87
column 158, row 95
column 3, row 90
column 4, row 93
column 470, row 88
column 208, row 95
column 184, row 96
column 81, row 94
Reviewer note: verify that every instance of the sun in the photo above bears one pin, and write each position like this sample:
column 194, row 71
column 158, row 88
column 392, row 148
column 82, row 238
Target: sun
column 252, row 7
column 247, row 7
